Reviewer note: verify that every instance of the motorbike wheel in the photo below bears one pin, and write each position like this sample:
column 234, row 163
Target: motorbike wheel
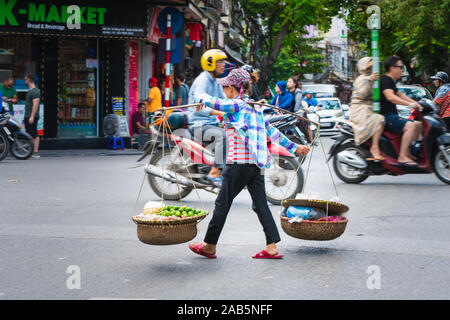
column 24, row 151
column 4, row 146
column 278, row 179
column 441, row 166
column 345, row 172
column 171, row 191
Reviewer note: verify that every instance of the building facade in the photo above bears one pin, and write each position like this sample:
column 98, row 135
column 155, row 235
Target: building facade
column 97, row 60
column 71, row 48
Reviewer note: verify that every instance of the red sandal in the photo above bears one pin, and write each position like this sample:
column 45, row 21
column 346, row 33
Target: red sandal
column 198, row 249
column 265, row 255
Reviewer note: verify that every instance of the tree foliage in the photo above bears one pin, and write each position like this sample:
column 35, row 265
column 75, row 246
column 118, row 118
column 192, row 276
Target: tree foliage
column 415, row 30
column 268, row 23
column 298, row 57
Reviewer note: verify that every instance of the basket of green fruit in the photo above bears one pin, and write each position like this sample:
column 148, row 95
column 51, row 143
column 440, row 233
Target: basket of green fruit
column 165, row 225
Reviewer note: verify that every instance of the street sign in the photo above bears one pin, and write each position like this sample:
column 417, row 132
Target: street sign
column 175, row 17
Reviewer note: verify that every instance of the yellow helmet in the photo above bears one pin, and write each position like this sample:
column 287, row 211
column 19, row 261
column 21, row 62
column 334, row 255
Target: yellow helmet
column 210, row 57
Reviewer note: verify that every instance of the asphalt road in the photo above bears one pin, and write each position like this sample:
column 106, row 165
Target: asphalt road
column 66, row 233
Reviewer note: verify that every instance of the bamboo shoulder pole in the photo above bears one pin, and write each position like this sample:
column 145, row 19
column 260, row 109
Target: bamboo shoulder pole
column 251, row 103
column 285, row 111
column 178, row 107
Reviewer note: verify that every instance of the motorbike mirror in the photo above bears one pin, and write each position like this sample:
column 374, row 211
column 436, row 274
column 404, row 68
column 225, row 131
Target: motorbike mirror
column 428, row 105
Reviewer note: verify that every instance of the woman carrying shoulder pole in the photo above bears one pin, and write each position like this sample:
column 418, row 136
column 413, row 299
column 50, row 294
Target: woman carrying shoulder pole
column 247, row 134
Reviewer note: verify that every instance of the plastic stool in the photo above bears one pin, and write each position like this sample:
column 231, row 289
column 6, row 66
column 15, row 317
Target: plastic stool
column 115, row 143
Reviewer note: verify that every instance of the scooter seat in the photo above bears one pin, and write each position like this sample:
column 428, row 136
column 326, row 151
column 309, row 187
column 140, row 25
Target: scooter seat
column 391, row 136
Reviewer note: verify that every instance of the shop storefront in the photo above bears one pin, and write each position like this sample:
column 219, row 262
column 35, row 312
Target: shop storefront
column 187, row 45
column 78, row 52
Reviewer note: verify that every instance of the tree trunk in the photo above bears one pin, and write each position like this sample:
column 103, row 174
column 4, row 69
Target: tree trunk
column 411, row 72
column 268, row 63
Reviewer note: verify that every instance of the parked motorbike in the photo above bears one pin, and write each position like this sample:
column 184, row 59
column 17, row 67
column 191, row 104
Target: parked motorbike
column 292, row 128
column 433, row 151
column 173, row 177
column 13, row 139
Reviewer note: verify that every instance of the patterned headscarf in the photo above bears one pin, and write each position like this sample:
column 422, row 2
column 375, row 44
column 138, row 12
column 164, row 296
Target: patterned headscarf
column 236, row 78
column 364, row 65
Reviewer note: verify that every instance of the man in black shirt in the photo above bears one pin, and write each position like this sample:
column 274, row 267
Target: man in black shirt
column 390, row 96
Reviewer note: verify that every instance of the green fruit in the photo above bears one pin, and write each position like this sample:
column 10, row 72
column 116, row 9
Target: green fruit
column 178, row 214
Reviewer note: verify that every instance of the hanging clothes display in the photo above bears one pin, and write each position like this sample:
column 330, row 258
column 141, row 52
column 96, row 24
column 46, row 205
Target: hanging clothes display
column 195, row 32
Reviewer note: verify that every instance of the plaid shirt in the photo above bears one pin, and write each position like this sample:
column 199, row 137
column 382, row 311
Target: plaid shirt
column 444, row 103
column 251, row 127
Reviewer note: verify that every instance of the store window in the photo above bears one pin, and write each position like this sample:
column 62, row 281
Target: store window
column 77, row 93
column 20, row 56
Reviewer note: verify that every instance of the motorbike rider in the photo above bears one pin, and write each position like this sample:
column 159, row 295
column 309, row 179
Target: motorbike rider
column 442, row 97
column 389, row 97
column 440, row 81
column 311, row 108
column 294, row 87
column 313, row 104
column 283, row 98
column 204, row 123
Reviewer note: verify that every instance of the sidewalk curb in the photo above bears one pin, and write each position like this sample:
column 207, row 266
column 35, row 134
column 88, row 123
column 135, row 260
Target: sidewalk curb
column 88, row 153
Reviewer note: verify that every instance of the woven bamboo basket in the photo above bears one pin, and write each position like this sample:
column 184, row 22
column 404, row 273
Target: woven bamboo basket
column 312, row 229
column 167, row 232
column 334, row 208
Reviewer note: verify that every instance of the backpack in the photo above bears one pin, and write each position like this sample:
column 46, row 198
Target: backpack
column 293, row 101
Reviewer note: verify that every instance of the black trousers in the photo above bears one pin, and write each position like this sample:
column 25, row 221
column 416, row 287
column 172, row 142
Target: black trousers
column 235, row 178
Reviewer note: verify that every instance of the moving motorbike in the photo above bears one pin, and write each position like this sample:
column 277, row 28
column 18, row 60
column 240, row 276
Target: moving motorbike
column 173, row 177
column 13, row 139
column 292, row 128
column 433, row 151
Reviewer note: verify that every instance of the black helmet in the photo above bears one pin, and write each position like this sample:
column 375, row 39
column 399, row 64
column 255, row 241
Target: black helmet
column 440, row 75
column 247, row 68
column 178, row 120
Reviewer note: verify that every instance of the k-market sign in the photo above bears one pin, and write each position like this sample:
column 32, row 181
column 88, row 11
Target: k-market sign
column 74, row 17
